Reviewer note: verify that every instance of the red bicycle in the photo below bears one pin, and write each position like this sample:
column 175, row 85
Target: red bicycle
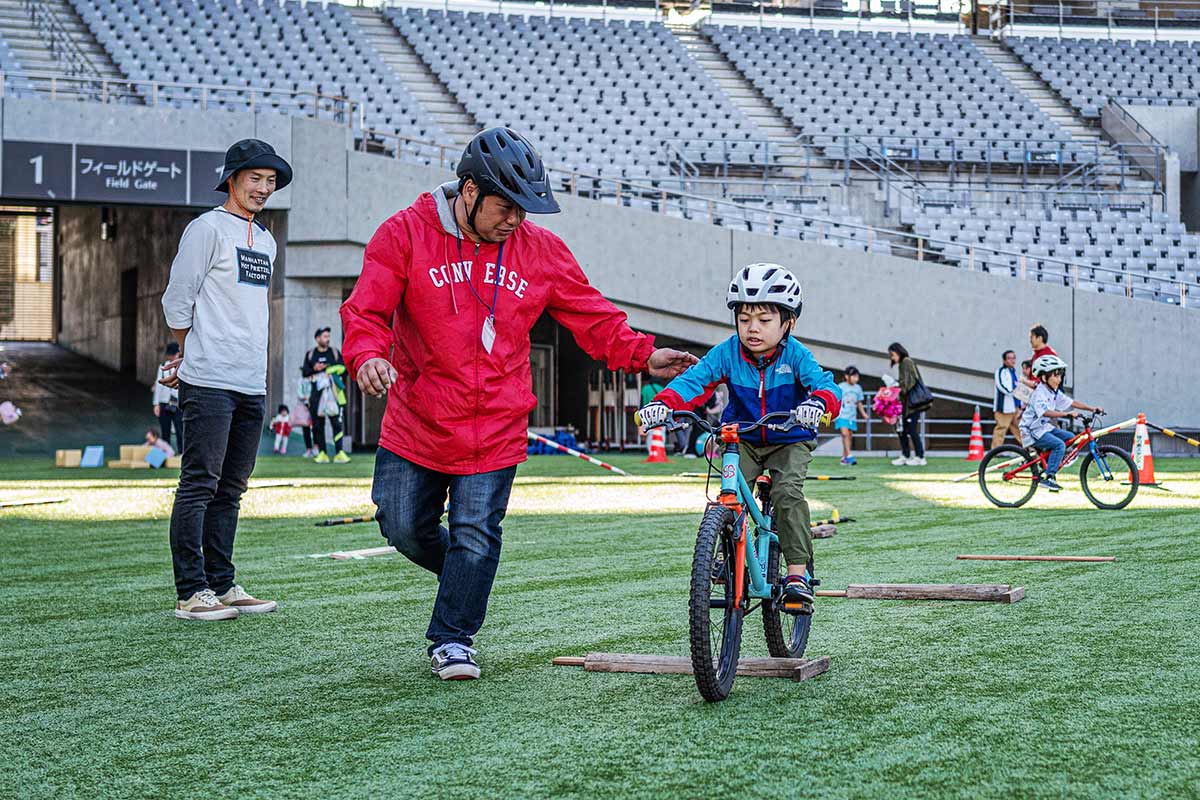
column 1009, row 475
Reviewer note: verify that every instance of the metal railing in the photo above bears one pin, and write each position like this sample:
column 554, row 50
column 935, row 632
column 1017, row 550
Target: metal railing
column 58, row 41
column 1111, row 15
column 906, row 168
column 814, row 228
column 875, row 428
column 1146, row 151
column 334, row 108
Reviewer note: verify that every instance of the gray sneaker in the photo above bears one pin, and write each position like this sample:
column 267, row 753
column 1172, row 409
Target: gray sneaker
column 454, row 662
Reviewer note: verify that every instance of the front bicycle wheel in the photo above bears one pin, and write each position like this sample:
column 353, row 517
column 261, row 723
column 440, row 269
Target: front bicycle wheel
column 1110, row 481
column 715, row 624
column 999, row 484
column 787, row 634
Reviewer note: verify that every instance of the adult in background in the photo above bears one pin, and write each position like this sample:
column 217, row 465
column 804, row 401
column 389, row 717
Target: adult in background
column 909, row 427
column 216, row 305
column 166, row 401
column 323, row 365
column 1006, row 408
column 440, row 320
column 1039, row 340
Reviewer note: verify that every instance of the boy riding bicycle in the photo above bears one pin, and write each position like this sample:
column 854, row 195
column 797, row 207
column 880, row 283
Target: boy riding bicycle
column 766, row 371
column 1048, row 404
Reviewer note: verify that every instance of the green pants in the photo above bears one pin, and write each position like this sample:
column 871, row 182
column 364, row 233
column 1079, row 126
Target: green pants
column 788, row 467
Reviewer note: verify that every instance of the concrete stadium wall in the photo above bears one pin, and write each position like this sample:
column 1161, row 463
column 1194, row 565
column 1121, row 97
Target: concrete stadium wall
column 90, row 269
column 669, row 275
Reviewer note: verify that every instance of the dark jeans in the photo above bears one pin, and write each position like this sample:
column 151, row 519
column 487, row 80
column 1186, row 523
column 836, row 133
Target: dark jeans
column 308, row 442
column 318, row 425
column 1055, row 441
column 224, row 428
column 910, row 431
column 410, row 502
column 171, row 416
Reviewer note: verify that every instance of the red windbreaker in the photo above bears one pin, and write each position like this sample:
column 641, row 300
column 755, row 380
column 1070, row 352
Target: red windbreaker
column 456, row 408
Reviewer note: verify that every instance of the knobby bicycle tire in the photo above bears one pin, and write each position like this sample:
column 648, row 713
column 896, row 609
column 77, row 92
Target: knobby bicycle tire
column 713, row 567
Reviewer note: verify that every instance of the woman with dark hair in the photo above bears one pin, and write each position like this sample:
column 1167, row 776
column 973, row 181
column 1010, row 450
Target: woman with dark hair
column 909, row 428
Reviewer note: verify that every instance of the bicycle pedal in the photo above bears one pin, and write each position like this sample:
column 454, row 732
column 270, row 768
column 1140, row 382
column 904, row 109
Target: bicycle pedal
column 798, row 608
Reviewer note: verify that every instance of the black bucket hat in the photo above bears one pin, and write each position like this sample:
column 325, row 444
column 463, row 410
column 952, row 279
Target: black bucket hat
column 251, row 153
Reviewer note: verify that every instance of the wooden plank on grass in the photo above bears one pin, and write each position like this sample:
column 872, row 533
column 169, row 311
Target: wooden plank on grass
column 987, row 592
column 568, row 661
column 1034, row 558
column 830, row 592
column 34, row 502
column 1013, row 596
column 825, row 531
column 795, row 668
column 367, row 553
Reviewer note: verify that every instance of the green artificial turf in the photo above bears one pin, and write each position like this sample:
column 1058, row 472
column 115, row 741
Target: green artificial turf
column 1090, row 687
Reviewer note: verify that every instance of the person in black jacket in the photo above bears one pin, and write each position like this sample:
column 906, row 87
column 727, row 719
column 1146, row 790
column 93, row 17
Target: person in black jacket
column 316, row 362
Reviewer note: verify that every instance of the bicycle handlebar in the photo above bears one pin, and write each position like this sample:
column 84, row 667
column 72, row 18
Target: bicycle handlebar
column 680, row 418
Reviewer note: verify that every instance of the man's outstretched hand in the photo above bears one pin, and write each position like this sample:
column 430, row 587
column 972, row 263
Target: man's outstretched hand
column 667, row 363
column 376, row 376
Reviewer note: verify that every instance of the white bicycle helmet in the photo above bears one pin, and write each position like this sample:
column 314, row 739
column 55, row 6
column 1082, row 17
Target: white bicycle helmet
column 765, row 283
column 1044, row 365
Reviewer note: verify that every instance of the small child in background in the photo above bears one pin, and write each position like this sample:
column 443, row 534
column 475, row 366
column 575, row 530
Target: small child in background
column 154, row 440
column 283, row 429
column 852, row 409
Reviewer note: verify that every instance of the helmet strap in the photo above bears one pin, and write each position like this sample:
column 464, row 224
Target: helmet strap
column 474, row 211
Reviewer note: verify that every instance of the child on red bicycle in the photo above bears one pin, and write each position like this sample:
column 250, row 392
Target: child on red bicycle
column 1048, row 404
column 766, row 370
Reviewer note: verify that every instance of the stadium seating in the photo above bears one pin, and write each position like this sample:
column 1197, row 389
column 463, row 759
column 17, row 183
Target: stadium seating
column 15, row 84
column 604, row 98
column 910, row 94
column 296, row 48
column 1125, row 252
column 1087, row 72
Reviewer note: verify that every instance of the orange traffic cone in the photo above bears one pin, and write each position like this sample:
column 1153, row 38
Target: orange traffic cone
column 1142, row 457
column 657, row 440
column 975, row 446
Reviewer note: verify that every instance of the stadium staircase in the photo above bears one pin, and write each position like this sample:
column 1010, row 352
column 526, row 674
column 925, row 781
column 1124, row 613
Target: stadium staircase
column 1112, row 167
column 780, row 132
column 431, row 93
column 58, row 42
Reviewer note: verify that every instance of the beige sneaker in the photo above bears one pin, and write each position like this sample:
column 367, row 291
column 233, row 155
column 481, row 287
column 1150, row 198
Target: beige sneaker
column 205, row 607
column 239, row 599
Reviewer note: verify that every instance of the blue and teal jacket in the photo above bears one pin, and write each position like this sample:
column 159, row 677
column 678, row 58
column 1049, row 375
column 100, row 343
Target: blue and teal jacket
column 757, row 385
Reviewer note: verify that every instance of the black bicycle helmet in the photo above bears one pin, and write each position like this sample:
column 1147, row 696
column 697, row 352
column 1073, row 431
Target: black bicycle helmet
column 503, row 162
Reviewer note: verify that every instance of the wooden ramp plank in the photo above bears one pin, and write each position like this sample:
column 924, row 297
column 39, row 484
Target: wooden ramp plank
column 367, row 553
column 972, row 557
column 993, row 592
column 795, row 668
column 825, row 531
column 33, row 502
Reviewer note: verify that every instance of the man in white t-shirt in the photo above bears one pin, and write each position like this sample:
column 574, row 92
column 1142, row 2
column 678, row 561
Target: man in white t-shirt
column 216, row 304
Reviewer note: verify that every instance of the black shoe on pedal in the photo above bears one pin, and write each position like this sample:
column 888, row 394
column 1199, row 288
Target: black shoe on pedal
column 797, row 595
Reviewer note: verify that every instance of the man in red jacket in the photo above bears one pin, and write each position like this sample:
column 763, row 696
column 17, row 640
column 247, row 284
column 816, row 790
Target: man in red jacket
column 450, row 289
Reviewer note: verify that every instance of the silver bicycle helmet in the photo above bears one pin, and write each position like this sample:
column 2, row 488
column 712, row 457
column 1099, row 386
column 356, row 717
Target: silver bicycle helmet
column 766, row 283
column 1044, row 365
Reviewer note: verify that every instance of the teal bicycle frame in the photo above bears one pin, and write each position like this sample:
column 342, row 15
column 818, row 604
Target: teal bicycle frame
column 734, row 482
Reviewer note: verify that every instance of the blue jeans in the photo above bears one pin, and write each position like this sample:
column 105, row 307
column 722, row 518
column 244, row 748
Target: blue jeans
column 223, row 429
column 1055, row 441
column 410, row 501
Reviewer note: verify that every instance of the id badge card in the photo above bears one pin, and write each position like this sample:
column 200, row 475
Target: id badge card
column 488, row 337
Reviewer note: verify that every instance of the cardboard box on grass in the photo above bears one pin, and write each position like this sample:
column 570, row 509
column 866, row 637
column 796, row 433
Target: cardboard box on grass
column 68, row 458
